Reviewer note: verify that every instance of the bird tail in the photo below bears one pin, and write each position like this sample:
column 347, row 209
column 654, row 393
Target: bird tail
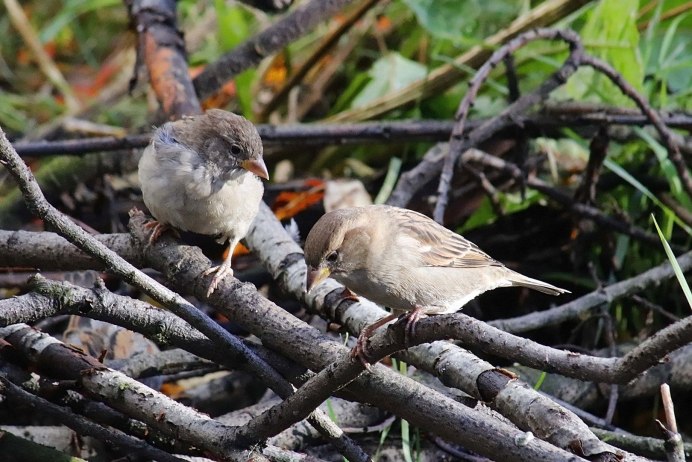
column 525, row 281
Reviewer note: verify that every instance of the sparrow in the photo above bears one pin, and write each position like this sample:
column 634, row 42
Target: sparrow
column 202, row 174
column 404, row 260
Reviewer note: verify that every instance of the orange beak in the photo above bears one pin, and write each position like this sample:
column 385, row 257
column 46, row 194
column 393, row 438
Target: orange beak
column 256, row 166
column 315, row 276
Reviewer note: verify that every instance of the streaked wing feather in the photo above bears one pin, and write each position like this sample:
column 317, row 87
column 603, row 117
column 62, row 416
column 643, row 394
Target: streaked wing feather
column 442, row 247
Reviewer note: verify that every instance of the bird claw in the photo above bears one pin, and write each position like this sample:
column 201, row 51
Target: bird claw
column 360, row 350
column 158, row 229
column 347, row 294
column 411, row 318
column 221, row 271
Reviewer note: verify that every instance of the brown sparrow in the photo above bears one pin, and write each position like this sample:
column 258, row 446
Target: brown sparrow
column 202, row 174
column 404, row 260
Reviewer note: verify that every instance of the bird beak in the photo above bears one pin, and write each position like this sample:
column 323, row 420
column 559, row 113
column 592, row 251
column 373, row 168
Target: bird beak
column 315, row 276
column 256, row 166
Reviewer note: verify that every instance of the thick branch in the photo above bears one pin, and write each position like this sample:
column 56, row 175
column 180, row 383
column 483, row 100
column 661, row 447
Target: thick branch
column 367, row 132
column 161, row 46
column 81, row 425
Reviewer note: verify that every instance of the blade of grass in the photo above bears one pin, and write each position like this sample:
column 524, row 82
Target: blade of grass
column 540, row 380
column 666, row 166
column 332, row 415
column 383, row 436
column 676, row 267
column 389, row 180
column 405, row 429
column 625, row 175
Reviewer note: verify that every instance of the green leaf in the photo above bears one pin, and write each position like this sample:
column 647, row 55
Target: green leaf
column 383, row 437
column 358, row 82
column 445, row 18
column 611, row 34
column 389, row 180
column 541, row 379
column 455, row 20
column 389, row 74
column 243, row 82
column 233, row 24
column 674, row 262
column 69, row 14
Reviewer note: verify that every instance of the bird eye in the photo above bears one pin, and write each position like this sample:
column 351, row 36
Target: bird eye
column 235, row 149
column 332, row 257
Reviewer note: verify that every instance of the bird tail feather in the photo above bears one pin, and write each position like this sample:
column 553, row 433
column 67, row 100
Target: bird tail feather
column 525, row 281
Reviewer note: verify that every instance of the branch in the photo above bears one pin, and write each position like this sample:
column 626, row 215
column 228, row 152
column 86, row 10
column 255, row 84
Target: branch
column 58, row 361
column 292, row 26
column 161, row 46
column 577, row 308
column 367, row 132
column 81, row 425
column 51, row 252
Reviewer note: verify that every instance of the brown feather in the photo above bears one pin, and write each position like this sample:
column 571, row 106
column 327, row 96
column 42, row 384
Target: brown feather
column 440, row 246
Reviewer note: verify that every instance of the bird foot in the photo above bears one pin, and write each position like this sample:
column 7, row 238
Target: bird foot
column 221, row 271
column 411, row 318
column 158, row 229
column 360, row 350
column 346, row 294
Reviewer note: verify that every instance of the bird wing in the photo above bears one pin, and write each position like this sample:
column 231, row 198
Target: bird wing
column 438, row 246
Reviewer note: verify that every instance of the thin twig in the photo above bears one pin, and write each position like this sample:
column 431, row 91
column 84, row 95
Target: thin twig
column 598, row 150
column 668, row 408
column 326, row 45
column 675, row 450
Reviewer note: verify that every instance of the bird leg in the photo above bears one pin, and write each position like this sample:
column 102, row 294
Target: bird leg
column 359, row 351
column 222, row 270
